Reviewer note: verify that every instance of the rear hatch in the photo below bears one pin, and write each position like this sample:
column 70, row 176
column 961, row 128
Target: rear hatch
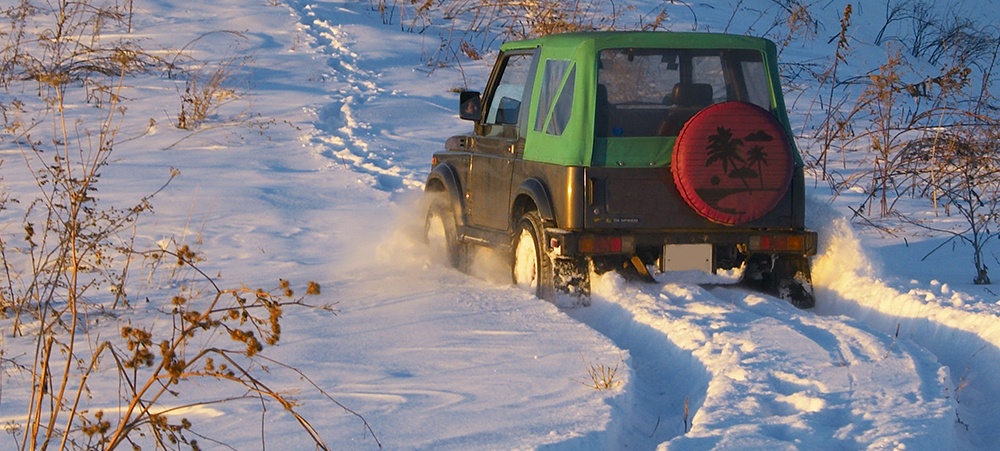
column 647, row 199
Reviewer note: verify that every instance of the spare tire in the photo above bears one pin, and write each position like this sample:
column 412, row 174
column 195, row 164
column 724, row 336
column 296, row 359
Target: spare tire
column 732, row 162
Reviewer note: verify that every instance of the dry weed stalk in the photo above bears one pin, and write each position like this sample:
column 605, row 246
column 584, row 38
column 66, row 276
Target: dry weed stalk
column 603, row 377
column 834, row 125
column 210, row 85
column 687, row 414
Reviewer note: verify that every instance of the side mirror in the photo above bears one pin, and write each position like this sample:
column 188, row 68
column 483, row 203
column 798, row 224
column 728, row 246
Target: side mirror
column 470, row 106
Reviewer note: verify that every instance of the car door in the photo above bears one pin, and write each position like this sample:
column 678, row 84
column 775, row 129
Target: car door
column 501, row 141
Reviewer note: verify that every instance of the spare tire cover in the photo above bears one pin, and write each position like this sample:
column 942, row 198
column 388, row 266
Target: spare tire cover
column 732, row 162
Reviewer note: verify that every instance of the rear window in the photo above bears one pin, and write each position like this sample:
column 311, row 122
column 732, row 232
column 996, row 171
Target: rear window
column 652, row 92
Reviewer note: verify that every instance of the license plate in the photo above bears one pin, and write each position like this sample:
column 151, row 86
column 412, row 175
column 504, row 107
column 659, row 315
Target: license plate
column 687, row 257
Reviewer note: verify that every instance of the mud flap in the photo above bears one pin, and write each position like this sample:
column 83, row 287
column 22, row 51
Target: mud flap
column 631, row 268
column 640, row 268
column 784, row 276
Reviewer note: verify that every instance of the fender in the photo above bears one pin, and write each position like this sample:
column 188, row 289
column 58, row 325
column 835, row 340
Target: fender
column 447, row 176
column 536, row 191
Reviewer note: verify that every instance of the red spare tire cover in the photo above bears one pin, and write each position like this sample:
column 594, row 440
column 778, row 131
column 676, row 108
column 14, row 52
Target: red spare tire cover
column 732, row 162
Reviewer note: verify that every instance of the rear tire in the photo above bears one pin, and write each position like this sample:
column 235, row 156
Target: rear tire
column 794, row 280
column 784, row 276
column 531, row 266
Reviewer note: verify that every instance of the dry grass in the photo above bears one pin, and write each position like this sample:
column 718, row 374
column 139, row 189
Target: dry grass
column 603, row 377
column 210, row 85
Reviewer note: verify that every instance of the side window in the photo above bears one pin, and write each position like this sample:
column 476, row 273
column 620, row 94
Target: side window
column 555, row 101
column 505, row 104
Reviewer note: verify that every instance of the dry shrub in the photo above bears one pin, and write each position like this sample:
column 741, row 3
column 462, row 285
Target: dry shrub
column 603, row 377
column 210, row 84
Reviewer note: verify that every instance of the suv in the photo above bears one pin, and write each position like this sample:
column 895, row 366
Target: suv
column 627, row 150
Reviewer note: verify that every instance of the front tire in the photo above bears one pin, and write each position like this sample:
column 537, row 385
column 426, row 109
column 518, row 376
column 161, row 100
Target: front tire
column 531, row 267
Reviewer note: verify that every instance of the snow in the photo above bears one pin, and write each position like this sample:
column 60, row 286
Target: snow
column 323, row 183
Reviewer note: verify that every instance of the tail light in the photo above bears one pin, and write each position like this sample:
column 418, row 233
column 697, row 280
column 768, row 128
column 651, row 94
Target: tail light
column 778, row 243
column 591, row 244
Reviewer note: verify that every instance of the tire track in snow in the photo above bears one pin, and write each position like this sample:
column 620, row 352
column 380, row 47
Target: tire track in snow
column 664, row 376
column 348, row 140
column 759, row 373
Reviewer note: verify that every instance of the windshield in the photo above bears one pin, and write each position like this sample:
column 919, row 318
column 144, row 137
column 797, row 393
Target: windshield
column 653, row 92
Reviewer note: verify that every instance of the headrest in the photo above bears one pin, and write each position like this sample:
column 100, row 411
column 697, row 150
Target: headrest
column 692, row 94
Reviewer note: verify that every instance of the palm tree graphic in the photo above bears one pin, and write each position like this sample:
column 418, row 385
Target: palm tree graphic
column 757, row 156
column 724, row 148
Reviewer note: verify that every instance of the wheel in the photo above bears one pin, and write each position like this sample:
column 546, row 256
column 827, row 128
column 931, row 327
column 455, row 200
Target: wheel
column 441, row 234
column 794, row 280
column 531, row 266
column 785, row 276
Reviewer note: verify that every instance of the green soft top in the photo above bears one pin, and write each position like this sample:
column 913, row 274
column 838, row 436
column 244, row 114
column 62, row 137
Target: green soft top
column 598, row 40
column 575, row 143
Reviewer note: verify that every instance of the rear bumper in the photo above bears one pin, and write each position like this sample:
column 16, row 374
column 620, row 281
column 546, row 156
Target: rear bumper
column 627, row 242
